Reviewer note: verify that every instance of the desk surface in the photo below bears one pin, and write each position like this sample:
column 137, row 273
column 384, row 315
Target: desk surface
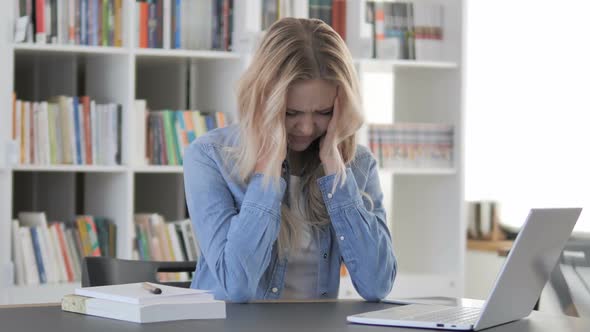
column 310, row 316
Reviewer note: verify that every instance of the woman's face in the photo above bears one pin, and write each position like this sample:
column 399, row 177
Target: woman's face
column 309, row 110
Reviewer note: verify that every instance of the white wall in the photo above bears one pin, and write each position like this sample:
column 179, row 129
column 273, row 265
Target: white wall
column 528, row 105
column 528, row 120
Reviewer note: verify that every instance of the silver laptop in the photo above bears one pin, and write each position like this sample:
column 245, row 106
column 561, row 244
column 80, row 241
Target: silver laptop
column 527, row 269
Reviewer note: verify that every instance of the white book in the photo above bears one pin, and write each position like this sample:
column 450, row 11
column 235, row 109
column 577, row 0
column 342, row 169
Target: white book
column 35, row 133
column 81, row 132
column 178, row 254
column 45, row 139
column 27, row 133
column 17, row 133
column 44, row 250
column 48, row 31
column 72, row 131
column 135, row 293
column 200, row 30
column 73, row 253
column 39, row 220
column 93, row 132
column 61, row 263
column 31, row 271
column 167, row 28
column 71, row 21
column 47, row 254
column 190, row 242
column 299, row 9
column 17, row 254
column 61, row 20
column 151, row 313
column 114, row 126
column 136, row 23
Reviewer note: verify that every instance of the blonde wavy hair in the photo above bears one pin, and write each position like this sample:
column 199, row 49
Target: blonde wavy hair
column 294, row 50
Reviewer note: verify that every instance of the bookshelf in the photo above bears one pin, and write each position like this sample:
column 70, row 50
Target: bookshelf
column 419, row 198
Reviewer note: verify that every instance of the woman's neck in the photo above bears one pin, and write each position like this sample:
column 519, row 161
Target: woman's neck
column 296, row 163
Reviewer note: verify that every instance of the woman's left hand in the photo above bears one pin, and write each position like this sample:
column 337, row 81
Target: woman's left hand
column 329, row 153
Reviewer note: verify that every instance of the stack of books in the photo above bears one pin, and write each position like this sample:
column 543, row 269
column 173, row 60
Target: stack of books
column 412, row 145
column 46, row 253
column 67, row 130
column 144, row 303
column 160, row 240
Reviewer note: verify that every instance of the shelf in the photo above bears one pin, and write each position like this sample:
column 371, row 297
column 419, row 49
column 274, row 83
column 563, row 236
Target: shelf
column 70, row 168
column 500, row 247
column 46, row 293
column 193, row 54
column 419, row 171
column 71, row 49
column 158, row 169
column 380, row 64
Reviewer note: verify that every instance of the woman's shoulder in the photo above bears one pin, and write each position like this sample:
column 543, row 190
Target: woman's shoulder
column 363, row 154
column 218, row 138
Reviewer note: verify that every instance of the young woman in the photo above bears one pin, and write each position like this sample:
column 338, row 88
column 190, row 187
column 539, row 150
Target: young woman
column 282, row 199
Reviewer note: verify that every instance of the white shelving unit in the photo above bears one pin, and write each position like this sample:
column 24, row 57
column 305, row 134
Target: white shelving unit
column 417, row 199
column 424, row 205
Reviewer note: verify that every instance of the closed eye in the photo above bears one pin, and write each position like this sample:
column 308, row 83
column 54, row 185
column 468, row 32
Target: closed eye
column 324, row 112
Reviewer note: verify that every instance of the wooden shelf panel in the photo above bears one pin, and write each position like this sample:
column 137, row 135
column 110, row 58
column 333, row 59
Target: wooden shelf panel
column 492, row 246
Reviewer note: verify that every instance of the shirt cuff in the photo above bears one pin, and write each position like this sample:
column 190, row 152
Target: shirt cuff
column 266, row 197
column 343, row 195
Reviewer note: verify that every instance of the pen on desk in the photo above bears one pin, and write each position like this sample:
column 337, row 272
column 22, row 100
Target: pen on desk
column 153, row 289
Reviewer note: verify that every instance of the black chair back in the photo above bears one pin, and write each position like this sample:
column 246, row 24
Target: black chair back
column 102, row 271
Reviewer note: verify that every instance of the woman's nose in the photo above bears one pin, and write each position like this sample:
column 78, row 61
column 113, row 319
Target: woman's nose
column 306, row 125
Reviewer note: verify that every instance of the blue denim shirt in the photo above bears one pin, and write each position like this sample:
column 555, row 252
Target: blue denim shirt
column 237, row 226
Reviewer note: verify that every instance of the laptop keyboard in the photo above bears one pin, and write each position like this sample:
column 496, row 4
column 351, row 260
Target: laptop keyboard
column 451, row 315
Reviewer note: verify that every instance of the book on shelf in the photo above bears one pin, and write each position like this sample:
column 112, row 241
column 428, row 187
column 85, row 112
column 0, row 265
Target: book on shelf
column 412, row 145
column 67, row 130
column 406, row 30
column 47, row 253
column 483, row 221
column 163, row 135
column 171, row 24
column 72, row 22
column 132, row 302
column 332, row 12
column 156, row 239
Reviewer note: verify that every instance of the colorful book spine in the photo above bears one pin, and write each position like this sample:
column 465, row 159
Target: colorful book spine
column 38, row 257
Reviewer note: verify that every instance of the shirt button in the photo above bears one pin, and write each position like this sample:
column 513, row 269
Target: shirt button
column 329, row 195
column 274, row 289
column 325, row 255
column 324, row 294
column 341, row 237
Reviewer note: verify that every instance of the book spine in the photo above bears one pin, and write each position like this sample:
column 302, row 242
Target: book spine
column 64, row 251
column 38, row 257
column 40, row 28
column 177, row 25
column 93, row 236
column 118, row 29
column 143, row 24
column 152, row 25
